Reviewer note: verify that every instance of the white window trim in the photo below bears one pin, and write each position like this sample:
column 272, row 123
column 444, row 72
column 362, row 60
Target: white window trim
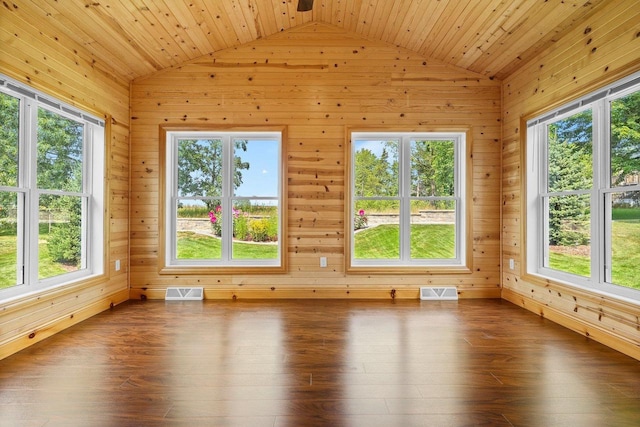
column 170, row 198
column 460, row 198
column 535, row 181
column 93, row 251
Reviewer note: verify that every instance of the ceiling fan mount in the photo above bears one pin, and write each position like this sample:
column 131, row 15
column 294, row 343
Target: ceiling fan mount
column 305, row 5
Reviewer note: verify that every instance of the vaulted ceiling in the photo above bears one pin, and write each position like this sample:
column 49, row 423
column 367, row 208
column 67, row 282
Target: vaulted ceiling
column 133, row 38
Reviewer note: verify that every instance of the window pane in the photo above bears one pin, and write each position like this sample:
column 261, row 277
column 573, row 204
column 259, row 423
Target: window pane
column 625, row 140
column 433, row 234
column 200, row 167
column 570, row 157
column 376, row 168
column 60, row 147
column 569, row 234
column 8, row 239
column 625, row 239
column 379, row 237
column 256, row 167
column 60, row 235
column 255, row 229
column 198, row 229
column 432, row 168
column 9, row 131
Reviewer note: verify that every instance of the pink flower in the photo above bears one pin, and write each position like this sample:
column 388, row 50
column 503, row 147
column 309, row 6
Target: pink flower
column 212, row 217
column 361, row 212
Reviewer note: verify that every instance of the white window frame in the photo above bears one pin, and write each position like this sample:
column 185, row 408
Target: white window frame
column 171, row 260
column 459, row 197
column 93, row 192
column 536, row 226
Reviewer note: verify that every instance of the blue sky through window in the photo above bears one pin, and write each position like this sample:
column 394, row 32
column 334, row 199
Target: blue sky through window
column 261, row 179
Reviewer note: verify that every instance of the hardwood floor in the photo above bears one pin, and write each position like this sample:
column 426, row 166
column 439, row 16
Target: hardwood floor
column 319, row 363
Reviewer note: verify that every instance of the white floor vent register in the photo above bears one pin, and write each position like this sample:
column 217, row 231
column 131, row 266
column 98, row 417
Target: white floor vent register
column 439, row 294
column 184, row 294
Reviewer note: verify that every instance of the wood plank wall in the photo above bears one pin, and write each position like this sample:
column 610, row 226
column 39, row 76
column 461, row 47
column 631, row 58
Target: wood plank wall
column 32, row 52
column 603, row 49
column 317, row 80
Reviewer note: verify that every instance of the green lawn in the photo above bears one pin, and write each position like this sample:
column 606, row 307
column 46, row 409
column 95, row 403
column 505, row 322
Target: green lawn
column 48, row 268
column 7, row 261
column 428, row 241
column 381, row 242
column 625, row 256
column 199, row 246
column 625, row 214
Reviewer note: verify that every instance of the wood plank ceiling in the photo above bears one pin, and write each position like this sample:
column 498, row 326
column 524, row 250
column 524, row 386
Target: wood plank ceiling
column 134, row 38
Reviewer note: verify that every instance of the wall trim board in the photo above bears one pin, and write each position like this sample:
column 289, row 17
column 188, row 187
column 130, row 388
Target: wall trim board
column 617, row 342
column 307, row 292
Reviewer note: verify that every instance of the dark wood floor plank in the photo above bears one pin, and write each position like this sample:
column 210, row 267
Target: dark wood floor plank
column 319, row 363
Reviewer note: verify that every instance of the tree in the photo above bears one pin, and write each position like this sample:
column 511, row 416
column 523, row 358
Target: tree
column 376, row 175
column 570, row 168
column 432, row 168
column 59, row 167
column 65, row 238
column 60, row 152
column 9, row 128
column 570, row 143
column 200, row 168
column 365, row 179
column 625, row 137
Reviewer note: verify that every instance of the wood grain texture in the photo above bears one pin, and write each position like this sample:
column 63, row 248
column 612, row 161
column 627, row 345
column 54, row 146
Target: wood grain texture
column 319, row 363
column 605, row 48
column 33, row 52
column 134, row 39
column 319, row 81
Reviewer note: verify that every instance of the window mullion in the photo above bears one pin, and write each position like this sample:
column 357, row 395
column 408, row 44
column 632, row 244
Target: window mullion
column 600, row 238
column 227, row 196
column 87, row 185
column 404, row 161
column 22, row 218
column 543, row 188
column 32, row 196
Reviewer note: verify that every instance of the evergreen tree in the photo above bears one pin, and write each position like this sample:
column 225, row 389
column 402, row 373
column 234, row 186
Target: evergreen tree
column 570, row 168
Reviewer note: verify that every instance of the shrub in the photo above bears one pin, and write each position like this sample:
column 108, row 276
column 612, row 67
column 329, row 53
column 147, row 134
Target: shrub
column 216, row 221
column 360, row 220
column 64, row 243
column 241, row 226
column 259, row 229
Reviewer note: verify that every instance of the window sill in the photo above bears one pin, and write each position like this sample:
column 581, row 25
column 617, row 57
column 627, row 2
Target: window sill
column 413, row 270
column 227, row 270
column 592, row 294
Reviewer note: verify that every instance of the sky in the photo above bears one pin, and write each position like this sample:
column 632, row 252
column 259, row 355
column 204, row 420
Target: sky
column 261, row 179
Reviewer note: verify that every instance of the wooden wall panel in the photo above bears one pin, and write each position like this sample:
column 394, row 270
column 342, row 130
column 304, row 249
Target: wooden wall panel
column 36, row 55
column 317, row 80
column 604, row 48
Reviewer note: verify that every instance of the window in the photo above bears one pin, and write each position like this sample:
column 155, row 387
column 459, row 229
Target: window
column 223, row 199
column 51, row 191
column 408, row 199
column 583, row 193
